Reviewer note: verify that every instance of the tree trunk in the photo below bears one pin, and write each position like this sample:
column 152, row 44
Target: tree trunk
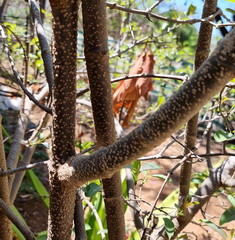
column 97, row 61
column 62, row 200
column 5, row 226
column 202, row 53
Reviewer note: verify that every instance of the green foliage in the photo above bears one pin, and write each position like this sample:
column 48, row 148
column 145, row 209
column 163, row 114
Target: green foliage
column 41, row 190
column 91, row 189
column 227, row 216
column 222, row 136
column 215, row 228
column 169, row 226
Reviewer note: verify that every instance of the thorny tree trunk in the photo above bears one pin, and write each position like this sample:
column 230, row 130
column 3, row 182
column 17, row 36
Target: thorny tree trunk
column 65, row 17
column 5, row 226
column 202, row 53
column 97, row 61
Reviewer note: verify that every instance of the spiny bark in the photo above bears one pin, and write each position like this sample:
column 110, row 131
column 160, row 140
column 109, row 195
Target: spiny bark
column 65, row 17
column 97, row 62
column 5, row 226
column 208, row 80
column 202, row 53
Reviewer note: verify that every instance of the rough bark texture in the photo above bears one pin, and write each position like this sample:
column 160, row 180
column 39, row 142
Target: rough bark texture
column 208, row 80
column 5, row 226
column 97, row 61
column 65, row 17
column 202, row 53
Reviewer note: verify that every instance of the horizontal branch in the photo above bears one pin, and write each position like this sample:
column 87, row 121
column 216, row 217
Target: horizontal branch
column 149, row 15
column 141, row 75
column 157, row 156
column 22, row 168
column 208, row 80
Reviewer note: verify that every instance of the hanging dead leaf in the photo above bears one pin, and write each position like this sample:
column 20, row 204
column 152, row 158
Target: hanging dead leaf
column 129, row 91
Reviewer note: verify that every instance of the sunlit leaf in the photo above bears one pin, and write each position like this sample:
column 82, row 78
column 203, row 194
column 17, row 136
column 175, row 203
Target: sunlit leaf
column 227, row 216
column 215, row 227
column 221, row 136
column 231, row 200
column 191, row 10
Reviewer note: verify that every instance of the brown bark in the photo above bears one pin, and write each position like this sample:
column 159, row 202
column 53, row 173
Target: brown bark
column 97, row 62
column 5, row 226
column 202, row 53
column 65, row 17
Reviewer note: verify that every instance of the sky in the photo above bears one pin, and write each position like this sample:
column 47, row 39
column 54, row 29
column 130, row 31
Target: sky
column 183, row 5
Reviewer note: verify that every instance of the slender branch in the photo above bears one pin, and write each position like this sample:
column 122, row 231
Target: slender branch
column 144, row 75
column 22, row 168
column 153, row 6
column 19, row 224
column 92, row 207
column 17, row 76
column 159, row 17
column 154, row 157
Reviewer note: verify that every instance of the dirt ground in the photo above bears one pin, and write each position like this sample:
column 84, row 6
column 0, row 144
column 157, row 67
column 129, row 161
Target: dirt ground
column 35, row 212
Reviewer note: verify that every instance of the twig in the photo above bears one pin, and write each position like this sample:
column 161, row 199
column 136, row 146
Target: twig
column 146, row 75
column 159, row 17
column 159, row 155
column 17, row 77
column 149, row 10
column 14, row 219
column 35, row 165
column 92, row 207
column 147, row 158
column 141, row 75
column 22, row 168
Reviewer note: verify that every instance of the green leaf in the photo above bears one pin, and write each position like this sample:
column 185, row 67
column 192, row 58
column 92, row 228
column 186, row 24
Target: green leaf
column 221, row 136
column 227, row 216
column 18, row 233
column 17, row 213
column 231, row 200
column 215, row 227
column 41, row 235
column 230, row 10
column 161, row 176
column 169, row 226
column 149, row 166
column 231, row 1
column 41, row 190
column 191, row 10
column 91, row 189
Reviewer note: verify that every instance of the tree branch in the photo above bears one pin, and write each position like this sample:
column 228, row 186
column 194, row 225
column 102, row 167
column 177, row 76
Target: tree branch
column 19, row 224
column 203, row 85
column 148, row 14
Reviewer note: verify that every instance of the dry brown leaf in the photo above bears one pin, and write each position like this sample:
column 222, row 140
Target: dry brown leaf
column 129, row 91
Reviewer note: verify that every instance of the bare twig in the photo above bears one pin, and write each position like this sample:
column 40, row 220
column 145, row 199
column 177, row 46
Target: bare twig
column 19, row 224
column 159, row 17
column 144, row 75
column 22, row 168
column 92, row 207
column 17, row 76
